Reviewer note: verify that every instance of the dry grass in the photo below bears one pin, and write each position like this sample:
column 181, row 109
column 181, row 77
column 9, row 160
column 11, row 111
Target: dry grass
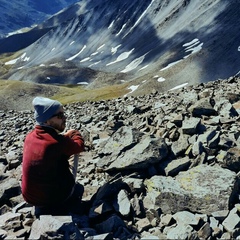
column 79, row 94
column 18, row 95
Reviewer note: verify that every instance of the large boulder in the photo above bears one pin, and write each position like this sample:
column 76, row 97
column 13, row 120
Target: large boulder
column 197, row 190
column 149, row 151
column 131, row 149
column 123, row 139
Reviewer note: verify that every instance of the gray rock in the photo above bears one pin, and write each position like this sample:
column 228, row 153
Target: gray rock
column 181, row 231
column 137, row 206
column 9, row 217
column 232, row 221
column 149, row 151
column 166, row 220
column 49, row 226
column 173, row 167
column 197, row 148
column 191, row 190
column 9, row 188
column 220, row 215
column 230, row 159
column 189, row 98
column 123, row 139
column 123, row 205
column 205, row 231
column 225, row 109
column 190, row 126
column 207, row 136
column 215, row 227
column 143, row 224
column 153, row 217
column 186, row 218
column 86, row 120
column 135, row 184
column 197, row 182
column 213, row 143
column 154, row 235
column 180, row 146
column 226, row 235
column 214, row 223
column 203, row 107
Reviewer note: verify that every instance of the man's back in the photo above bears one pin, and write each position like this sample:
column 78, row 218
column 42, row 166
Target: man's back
column 46, row 177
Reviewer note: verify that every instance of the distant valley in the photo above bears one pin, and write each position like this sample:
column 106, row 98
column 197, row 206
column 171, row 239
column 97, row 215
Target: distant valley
column 148, row 45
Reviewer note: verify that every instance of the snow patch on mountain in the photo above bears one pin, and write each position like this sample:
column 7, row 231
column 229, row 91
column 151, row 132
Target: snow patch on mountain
column 132, row 88
column 179, row 86
column 181, row 42
column 76, row 55
column 121, row 57
column 193, row 47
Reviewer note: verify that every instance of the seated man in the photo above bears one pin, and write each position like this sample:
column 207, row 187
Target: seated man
column 47, row 182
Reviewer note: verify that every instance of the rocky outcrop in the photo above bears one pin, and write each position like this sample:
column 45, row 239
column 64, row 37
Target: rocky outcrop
column 161, row 166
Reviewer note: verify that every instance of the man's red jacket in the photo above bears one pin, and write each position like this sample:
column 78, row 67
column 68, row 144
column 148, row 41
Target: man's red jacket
column 46, row 178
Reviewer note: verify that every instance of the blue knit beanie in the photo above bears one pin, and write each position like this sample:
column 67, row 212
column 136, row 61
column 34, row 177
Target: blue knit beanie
column 45, row 108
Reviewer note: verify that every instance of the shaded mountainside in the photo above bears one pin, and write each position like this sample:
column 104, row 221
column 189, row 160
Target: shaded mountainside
column 159, row 43
column 164, row 166
column 16, row 15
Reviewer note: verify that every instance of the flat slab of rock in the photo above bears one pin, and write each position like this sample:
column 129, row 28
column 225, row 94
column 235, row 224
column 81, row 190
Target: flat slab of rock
column 48, row 224
column 148, row 151
column 197, row 190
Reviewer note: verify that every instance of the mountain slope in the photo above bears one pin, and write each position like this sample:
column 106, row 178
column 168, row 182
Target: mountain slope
column 162, row 44
column 20, row 14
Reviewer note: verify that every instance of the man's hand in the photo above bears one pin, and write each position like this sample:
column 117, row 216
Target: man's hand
column 70, row 133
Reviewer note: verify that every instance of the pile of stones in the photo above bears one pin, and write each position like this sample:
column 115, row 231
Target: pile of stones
column 160, row 166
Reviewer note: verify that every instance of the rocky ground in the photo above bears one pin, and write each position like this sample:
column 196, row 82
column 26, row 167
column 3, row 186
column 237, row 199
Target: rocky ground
column 166, row 166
